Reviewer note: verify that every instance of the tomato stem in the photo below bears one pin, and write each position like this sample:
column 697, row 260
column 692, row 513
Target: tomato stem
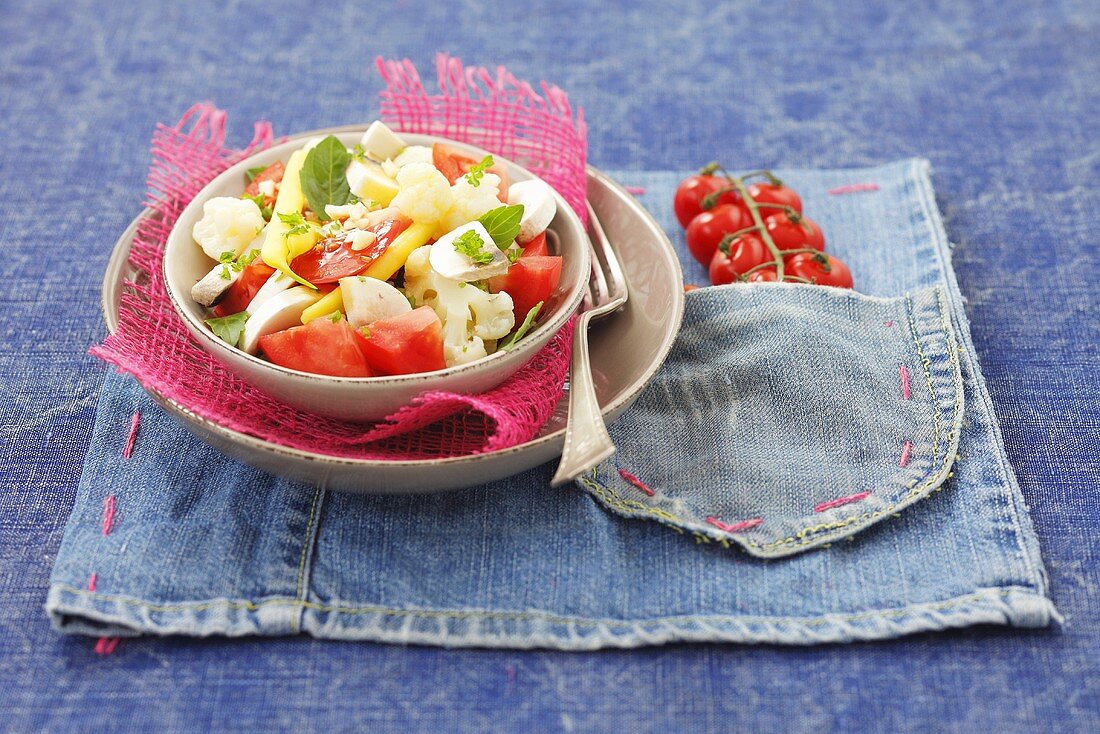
column 724, row 245
column 754, row 210
column 711, row 199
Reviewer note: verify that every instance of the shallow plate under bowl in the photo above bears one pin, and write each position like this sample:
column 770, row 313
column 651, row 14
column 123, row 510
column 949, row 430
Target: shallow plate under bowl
column 627, row 349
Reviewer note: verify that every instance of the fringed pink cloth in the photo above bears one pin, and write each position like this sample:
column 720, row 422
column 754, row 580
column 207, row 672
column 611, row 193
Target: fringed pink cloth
column 501, row 114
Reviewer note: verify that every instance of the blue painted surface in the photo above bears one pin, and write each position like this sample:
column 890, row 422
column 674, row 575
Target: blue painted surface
column 1002, row 97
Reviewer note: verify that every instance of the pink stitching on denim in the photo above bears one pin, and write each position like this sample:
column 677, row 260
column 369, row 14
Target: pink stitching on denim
column 737, row 526
column 904, row 372
column 853, row 188
column 510, row 674
column 842, row 501
column 134, row 423
column 635, row 190
column 106, row 645
column 888, row 324
column 108, row 514
column 905, row 454
column 636, row 482
column 92, row 581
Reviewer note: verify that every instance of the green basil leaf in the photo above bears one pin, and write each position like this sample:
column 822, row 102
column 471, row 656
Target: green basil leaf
column 324, row 176
column 503, row 223
column 229, row 328
column 253, row 172
column 523, row 328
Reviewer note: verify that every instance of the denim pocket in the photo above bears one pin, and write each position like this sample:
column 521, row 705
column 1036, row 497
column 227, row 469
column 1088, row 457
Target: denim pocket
column 790, row 416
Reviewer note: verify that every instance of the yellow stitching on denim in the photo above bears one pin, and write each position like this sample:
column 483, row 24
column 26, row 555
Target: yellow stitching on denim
column 306, row 545
column 517, row 616
column 615, row 500
column 927, row 364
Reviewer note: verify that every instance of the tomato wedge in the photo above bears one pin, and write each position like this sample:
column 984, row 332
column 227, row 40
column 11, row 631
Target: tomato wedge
column 332, row 258
column 536, row 246
column 528, row 281
column 405, row 344
column 453, row 165
column 244, row 288
column 322, row 347
column 274, row 172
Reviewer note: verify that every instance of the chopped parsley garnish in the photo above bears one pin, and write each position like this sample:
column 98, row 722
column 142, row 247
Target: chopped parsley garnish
column 261, row 201
column 253, row 172
column 514, row 254
column 472, row 246
column 335, row 317
column 296, row 222
column 358, row 153
column 477, row 172
column 502, row 223
column 229, row 328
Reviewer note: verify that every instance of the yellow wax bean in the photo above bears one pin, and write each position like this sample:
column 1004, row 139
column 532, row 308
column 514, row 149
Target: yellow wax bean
column 333, row 301
column 417, row 235
column 276, row 248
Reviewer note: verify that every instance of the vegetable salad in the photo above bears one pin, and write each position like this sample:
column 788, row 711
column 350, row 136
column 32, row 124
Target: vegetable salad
column 385, row 259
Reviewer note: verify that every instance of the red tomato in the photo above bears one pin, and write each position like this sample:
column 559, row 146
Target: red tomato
column 454, row 165
column 768, row 193
column 405, row 344
column 763, row 275
column 536, row 246
column 321, row 347
column 820, row 269
column 274, row 172
column 706, row 231
column 528, row 281
column 792, row 234
column 332, row 258
column 688, row 201
column 745, row 253
column 244, row 288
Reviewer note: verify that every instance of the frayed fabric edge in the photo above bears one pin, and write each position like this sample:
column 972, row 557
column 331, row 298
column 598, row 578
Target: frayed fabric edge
column 76, row 611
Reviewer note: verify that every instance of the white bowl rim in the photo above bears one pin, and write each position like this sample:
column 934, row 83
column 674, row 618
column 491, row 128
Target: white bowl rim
column 547, row 329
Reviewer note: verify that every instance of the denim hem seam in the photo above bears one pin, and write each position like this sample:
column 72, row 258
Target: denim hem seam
column 1015, row 606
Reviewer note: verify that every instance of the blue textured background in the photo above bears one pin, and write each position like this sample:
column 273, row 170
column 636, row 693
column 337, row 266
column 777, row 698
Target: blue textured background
column 1001, row 96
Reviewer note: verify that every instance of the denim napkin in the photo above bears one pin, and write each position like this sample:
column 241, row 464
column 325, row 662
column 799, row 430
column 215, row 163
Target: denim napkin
column 786, row 424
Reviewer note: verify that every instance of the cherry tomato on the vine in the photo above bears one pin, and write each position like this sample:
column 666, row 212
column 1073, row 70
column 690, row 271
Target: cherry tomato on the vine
column 745, row 253
column 763, row 275
column 769, row 193
column 792, row 234
column 688, row 201
column 707, row 230
column 820, row 269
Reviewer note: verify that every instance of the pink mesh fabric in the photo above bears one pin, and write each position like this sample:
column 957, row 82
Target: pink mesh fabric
column 505, row 116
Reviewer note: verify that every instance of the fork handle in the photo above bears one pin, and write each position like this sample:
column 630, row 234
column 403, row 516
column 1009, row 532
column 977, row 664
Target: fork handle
column 586, row 440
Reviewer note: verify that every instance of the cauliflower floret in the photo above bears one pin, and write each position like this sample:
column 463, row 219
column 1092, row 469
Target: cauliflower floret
column 413, row 154
column 470, row 202
column 472, row 319
column 424, row 194
column 228, row 224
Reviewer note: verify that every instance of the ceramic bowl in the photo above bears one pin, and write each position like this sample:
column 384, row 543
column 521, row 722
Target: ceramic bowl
column 627, row 350
column 364, row 398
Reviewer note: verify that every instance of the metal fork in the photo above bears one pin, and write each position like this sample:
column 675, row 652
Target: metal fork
column 586, row 440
